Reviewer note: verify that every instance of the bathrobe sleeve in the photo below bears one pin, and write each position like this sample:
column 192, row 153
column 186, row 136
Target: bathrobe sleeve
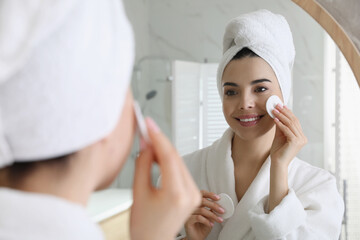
column 313, row 211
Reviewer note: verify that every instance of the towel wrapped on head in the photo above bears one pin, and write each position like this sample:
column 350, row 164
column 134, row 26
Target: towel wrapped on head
column 266, row 34
column 65, row 67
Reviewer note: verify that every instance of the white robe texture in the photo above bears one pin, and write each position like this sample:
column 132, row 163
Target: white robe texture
column 312, row 209
column 32, row 216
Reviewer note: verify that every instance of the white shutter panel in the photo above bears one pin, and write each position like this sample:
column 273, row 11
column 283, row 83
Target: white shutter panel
column 213, row 121
column 186, row 106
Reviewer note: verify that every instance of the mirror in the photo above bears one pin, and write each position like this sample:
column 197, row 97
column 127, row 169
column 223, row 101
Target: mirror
column 340, row 20
column 192, row 31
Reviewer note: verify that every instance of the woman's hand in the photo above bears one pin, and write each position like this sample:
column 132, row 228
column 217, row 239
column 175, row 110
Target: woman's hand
column 160, row 213
column 200, row 223
column 289, row 137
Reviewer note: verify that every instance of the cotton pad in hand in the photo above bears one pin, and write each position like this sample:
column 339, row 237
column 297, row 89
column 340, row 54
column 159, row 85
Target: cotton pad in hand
column 141, row 122
column 227, row 204
column 271, row 104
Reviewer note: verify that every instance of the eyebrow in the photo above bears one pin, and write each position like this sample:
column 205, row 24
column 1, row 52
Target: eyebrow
column 252, row 82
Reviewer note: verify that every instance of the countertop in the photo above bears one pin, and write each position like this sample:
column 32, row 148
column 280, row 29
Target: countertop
column 107, row 203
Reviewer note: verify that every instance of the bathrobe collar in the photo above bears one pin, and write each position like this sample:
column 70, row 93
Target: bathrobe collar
column 37, row 216
column 219, row 163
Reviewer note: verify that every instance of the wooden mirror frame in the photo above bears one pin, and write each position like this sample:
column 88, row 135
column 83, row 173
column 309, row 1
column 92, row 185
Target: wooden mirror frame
column 336, row 32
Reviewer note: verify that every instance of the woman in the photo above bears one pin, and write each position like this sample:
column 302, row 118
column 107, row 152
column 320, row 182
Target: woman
column 275, row 194
column 67, row 124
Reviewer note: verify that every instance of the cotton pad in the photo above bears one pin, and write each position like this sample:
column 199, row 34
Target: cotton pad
column 271, row 104
column 227, row 204
column 141, row 122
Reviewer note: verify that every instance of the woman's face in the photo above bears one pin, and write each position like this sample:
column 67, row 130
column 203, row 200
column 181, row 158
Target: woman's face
column 247, row 84
column 118, row 144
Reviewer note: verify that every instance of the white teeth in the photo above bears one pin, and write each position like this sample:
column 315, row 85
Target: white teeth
column 249, row 119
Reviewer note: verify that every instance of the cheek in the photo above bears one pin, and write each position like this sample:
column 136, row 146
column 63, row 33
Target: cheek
column 125, row 133
column 120, row 144
column 277, row 91
column 262, row 101
column 227, row 108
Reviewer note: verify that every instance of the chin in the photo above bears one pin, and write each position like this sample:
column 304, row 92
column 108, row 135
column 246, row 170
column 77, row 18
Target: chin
column 106, row 183
column 110, row 175
column 246, row 137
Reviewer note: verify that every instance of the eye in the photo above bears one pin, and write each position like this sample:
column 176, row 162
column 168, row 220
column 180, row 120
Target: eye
column 261, row 89
column 230, row 92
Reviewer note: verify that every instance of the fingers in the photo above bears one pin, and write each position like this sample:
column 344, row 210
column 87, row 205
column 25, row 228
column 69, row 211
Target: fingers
column 287, row 112
column 165, row 155
column 285, row 130
column 142, row 176
column 288, row 119
column 211, row 204
column 289, row 124
column 176, row 180
column 172, row 167
column 208, row 215
column 297, row 124
column 200, row 219
column 211, row 195
column 209, row 207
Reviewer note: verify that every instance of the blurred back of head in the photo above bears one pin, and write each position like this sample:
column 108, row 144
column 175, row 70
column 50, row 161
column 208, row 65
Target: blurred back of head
column 65, row 67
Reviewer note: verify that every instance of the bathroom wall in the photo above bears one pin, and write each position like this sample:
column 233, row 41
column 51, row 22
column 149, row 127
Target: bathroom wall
column 137, row 12
column 192, row 31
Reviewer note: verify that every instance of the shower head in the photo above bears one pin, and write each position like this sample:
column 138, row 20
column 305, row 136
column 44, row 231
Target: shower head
column 151, row 94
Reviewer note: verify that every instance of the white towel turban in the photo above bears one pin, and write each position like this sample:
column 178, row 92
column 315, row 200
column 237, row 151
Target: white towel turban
column 65, row 66
column 266, row 34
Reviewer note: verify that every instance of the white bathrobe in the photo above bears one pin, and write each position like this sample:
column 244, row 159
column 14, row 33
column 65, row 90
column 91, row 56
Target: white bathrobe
column 312, row 209
column 31, row 216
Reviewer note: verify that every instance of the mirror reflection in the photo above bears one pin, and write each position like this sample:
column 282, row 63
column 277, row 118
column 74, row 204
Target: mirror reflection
column 255, row 97
column 178, row 51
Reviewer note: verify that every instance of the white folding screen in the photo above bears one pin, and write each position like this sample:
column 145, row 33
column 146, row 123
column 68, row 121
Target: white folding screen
column 197, row 118
column 213, row 121
column 186, row 106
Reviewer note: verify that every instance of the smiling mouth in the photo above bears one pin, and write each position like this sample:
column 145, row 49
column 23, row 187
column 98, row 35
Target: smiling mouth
column 250, row 119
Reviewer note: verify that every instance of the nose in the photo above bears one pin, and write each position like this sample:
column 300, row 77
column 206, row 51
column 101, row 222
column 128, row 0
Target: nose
column 246, row 101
